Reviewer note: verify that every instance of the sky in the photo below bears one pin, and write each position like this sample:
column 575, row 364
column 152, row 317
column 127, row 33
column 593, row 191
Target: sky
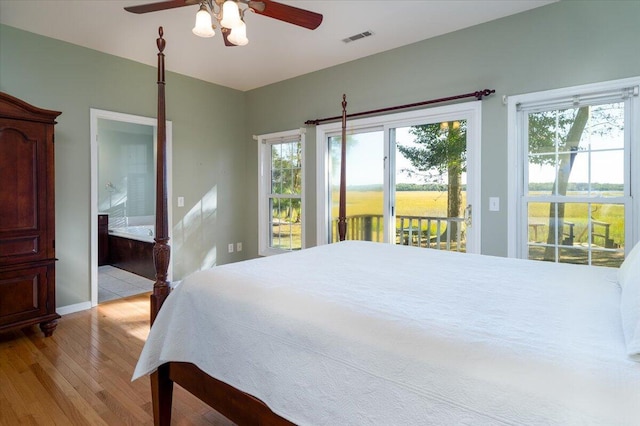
column 365, row 159
column 600, row 157
column 600, row 160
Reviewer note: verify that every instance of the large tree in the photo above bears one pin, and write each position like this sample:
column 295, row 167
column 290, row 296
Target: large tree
column 440, row 149
column 561, row 128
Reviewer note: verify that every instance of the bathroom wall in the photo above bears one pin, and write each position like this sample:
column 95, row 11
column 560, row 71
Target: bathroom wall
column 126, row 172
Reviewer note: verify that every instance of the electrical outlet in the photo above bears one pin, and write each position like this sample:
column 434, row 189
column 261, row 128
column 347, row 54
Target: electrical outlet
column 230, row 247
column 238, row 246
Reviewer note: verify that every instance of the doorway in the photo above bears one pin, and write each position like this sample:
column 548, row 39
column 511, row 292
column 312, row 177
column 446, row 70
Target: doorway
column 123, row 170
column 412, row 178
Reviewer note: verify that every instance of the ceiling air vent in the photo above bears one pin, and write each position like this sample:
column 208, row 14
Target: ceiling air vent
column 357, row 36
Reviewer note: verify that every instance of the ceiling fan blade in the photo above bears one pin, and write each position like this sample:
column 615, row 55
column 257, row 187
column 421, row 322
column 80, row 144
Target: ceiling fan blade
column 162, row 5
column 286, row 13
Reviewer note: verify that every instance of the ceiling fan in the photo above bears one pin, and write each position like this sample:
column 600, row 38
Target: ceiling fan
column 230, row 16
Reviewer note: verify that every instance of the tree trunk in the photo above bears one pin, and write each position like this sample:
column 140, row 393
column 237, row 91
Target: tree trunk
column 454, row 177
column 565, row 164
column 454, row 196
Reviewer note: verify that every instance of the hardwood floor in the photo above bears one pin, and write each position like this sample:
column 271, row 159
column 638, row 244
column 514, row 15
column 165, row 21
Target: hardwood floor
column 82, row 374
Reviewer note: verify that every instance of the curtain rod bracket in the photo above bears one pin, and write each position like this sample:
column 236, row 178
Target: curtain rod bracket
column 485, row 92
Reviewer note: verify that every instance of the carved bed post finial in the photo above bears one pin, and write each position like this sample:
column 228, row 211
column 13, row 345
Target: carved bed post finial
column 342, row 210
column 161, row 43
column 161, row 249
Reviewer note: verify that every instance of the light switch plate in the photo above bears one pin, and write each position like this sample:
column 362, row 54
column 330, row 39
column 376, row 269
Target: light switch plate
column 494, row 204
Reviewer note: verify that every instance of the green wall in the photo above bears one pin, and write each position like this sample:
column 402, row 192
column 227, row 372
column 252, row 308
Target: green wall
column 215, row 157
column 558, row 45
column 208, row 153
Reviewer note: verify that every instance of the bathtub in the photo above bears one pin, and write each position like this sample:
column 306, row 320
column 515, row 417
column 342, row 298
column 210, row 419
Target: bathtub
column 131, row 249
column 144, row 233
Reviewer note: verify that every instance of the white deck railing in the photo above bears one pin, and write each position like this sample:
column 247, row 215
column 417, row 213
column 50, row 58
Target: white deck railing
column 421, row 231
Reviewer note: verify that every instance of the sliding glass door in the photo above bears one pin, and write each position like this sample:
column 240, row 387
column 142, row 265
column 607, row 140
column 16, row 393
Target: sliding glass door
column 365, row 185
column 429, row 191
column 407, row 179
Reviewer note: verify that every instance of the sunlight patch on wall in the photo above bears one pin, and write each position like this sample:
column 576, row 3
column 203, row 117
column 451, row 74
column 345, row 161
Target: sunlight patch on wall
column 210, row 258
column 195, row 235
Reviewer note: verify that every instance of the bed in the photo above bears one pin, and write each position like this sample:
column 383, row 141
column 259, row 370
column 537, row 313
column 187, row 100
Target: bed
column 367, row 333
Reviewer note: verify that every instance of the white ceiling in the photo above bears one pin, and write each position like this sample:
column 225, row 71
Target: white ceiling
column 276, row 50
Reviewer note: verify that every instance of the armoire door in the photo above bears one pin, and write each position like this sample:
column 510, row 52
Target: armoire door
column 24, row 193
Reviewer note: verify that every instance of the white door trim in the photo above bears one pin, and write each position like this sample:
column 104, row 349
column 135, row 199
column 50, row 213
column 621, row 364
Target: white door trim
column 96, row 114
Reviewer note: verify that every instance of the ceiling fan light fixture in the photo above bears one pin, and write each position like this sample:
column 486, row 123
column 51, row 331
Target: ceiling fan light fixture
column 204, row 26
column 228, row 15
column 231, row 15
column 238, row 35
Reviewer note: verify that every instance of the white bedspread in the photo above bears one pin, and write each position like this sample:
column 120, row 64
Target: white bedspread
column 360, row 333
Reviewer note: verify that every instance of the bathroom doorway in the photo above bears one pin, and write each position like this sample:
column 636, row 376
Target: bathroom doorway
column 123, row 177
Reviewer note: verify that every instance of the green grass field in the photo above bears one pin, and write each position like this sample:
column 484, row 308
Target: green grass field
column 408, row 203
column 578, row 213
column 432, row 203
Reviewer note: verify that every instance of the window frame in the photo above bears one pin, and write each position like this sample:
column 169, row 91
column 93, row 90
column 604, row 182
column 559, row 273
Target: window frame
column 265, row 144
column 517, row 225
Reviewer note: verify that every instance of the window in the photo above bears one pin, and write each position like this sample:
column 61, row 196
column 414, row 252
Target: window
column 573, row 182
column 281, row 191
column 140, row 174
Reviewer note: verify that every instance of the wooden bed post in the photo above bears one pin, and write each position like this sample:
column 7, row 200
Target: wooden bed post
column 161, row 384
column 161, row 395
column 233, row 403
column 161, row 250
column 342, row 209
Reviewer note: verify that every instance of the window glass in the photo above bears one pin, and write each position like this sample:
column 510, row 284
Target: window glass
column 281, row 194
column 365, row 177
column 575, row 182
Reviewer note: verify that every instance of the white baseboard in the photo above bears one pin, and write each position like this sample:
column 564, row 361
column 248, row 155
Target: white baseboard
column 69, row 309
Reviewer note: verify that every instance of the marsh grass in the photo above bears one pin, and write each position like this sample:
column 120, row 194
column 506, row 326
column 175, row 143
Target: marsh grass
column 408, row 203
column 434, row 203
column 578, row 214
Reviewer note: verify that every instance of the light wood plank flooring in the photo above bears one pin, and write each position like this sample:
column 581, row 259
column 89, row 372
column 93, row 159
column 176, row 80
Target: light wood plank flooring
column 82, row 374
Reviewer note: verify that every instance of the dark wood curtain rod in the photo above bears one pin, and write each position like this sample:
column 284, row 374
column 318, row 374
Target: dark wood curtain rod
column 478, row 95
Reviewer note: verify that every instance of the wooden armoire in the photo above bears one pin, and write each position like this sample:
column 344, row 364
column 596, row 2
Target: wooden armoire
column 27, row 216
